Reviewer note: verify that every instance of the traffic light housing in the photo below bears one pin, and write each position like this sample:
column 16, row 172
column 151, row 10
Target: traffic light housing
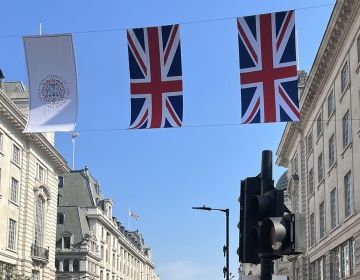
column 265, row 232
column 248, row 246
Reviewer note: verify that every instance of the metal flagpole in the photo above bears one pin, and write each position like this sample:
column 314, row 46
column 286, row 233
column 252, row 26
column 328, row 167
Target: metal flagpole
column 73, row 136
column 40, row 29
column 129, row 219
column 297, row 49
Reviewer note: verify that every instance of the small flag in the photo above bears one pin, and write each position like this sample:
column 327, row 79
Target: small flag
column 134, row 215
column 52, row 83
column 268, row 71
column 155, row 77
column 74, row 136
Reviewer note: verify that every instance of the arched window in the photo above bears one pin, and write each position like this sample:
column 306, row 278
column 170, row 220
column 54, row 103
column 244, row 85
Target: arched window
column 39, row 214
column 57, row 264
column 60, row 218
column 66, row 265
column 76, row 265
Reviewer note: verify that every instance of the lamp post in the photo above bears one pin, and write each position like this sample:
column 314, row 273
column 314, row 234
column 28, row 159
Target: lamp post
column 226, row 269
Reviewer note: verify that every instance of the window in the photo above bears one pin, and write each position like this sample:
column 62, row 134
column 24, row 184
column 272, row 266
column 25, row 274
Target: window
column 348, row 194
column 67, row 242
column 358, row 48
column 57, row 264
column 320, row 263
column 319, row 125
column 39, row 214
column 1, row 142
column 312, row 229
column 101, row 275
column 331, row 104
column 66, row 265
column 322, row 219
column 35, row 275
column 59, row 243
column 320, row 168
column 344, row 77
column 14, row 190
column 333, row 208
column 331, row 150
column 12, row 234
column 309, row 143
column 335, row 264
column 76, row 265
column 346, row 130
column 16, row 155
column 59, row 199
column 40, row 173
column 294, row 165
column 311, row 181
column 61, row 182
column 60, row 218
column 342, row 262
column 102, row 252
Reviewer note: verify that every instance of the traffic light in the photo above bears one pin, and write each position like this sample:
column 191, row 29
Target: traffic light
column 265, row 232
column 282, row 235
column 248, row 244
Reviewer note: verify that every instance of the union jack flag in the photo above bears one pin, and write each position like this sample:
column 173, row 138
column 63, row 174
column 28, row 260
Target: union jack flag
column 268, row 73
column 155, row 77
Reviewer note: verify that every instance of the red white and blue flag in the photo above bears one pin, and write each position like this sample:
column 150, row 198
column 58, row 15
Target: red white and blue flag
column 155, row 77
column 268, row 73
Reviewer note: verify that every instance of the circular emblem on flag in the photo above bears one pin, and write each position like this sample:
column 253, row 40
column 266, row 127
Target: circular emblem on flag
column 53, row 91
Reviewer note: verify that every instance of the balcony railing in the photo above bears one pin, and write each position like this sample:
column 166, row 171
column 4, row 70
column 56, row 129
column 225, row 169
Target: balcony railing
column 39, row 253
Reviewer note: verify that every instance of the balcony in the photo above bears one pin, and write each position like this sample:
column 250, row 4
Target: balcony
column 39, row 254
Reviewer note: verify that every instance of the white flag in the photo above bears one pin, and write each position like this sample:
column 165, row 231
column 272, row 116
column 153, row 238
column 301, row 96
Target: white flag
column 134, row 215
column 52, row 82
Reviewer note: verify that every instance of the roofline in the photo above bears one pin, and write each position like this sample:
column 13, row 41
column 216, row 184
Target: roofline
column 14, row 116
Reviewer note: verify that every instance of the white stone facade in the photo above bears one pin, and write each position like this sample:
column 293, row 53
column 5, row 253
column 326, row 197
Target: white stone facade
column 102, row 248
column 29, row 169
column 322, row 154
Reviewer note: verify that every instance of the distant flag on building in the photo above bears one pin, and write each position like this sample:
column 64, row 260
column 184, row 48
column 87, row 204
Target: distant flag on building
column 155, row 77
column 133, row 215
column 52, row 83
column 268, row 73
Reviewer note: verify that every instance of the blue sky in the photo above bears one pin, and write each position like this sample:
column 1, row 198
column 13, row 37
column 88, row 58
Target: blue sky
column 160, row 174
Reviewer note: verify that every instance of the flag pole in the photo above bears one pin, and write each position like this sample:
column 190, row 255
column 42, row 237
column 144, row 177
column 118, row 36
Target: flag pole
column 129, row 219
column 297, row 49
column 73, row 137
column 40, row 29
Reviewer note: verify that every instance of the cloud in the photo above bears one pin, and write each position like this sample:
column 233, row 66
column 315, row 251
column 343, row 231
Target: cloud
column 185, row 270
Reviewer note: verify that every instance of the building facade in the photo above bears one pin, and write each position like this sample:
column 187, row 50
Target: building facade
column 90, row 242
column 322, row 151
column 29, row 169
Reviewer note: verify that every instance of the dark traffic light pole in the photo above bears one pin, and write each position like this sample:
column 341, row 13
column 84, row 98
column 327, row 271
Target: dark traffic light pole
column 226, row 247
column 267, row 265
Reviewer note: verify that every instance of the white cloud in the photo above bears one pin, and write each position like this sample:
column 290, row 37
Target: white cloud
column 185, row 270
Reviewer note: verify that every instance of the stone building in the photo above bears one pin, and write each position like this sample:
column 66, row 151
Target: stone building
column 29, row 169
column 322, row 151
column 90, row 242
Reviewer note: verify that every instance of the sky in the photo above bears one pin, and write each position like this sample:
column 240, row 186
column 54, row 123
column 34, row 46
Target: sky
column 161, row 173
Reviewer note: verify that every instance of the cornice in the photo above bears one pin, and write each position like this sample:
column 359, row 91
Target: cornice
column 14, row 116
column 337, row 29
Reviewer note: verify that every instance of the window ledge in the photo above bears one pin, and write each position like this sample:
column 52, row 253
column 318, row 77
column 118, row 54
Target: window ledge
column 344, row 91
column 14, row 203
column 330, row 117
column 349, row 217
column 11, row 250
column 16, row 164
column 331, row 167
column 320, row 183
column 312, row 194
column 334, row 229
column 319, row 136
column 348, row 146
column 357, row 68
column 322, row 238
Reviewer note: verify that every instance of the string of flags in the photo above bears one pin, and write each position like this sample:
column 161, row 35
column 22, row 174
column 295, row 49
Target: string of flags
column 268, row 75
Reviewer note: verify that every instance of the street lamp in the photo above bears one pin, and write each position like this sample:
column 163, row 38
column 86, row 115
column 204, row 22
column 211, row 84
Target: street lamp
column 226, row 269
